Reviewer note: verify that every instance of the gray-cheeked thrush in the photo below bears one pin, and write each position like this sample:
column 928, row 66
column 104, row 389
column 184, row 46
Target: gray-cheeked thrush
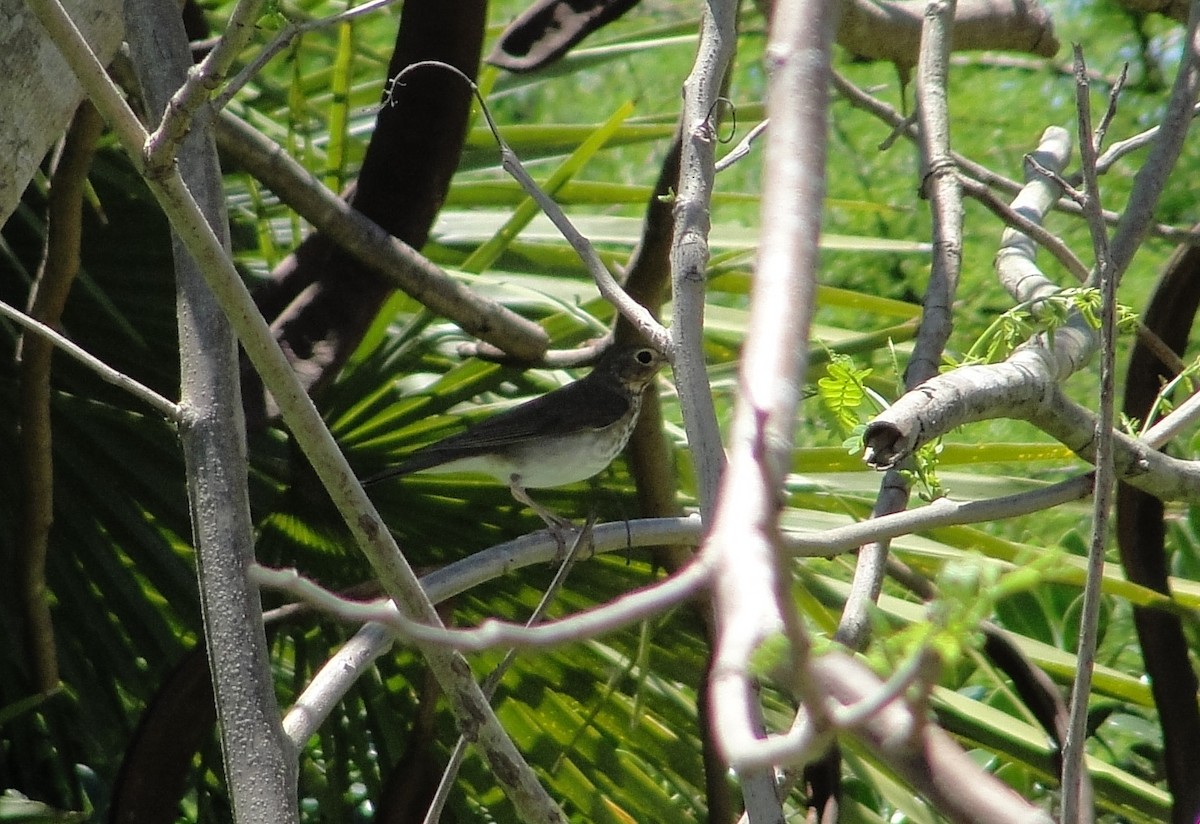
column 564, row 436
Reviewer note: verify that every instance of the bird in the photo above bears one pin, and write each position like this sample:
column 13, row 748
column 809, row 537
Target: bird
column 564, row 436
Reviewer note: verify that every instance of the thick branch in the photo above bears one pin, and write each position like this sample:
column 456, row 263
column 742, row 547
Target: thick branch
column 689, row 254
column 37, row 108
column 1016, row 260
column 892, row 30
column 1015, row 389
column 260, row 766
column 750, row 584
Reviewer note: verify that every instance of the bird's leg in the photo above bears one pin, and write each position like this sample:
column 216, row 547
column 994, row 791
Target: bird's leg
column 559, row 527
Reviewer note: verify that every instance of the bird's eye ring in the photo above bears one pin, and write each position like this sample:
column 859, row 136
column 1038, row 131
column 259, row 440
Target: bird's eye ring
column 645, row 356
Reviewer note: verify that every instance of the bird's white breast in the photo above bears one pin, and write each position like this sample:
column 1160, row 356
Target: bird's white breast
column 547, row 462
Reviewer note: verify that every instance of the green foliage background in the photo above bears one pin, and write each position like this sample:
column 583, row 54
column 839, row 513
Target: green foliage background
column 610, row 723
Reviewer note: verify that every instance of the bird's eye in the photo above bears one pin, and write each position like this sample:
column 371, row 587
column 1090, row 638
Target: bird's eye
column 645, row 356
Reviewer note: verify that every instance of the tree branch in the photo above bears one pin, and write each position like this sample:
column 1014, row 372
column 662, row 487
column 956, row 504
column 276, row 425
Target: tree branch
column 902, row 126
column 383, row 254
column 370, row 533
column 941, row 181
column 167, row 408
column 47, row 301
column 636, row 314
column 1151, row 178
column 38, row 108
column 260, row 767
column 750, row 583
column 922, row 753
column 689, row 253
column 889, row 30
column 1075, row 808
column 1021, row 389
column 200, row 83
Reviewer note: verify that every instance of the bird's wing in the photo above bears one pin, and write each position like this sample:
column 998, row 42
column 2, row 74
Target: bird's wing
column 568, row 408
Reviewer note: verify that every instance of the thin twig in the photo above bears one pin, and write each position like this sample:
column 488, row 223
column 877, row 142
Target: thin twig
column 621, row 612
column 1151, row 178
column 942, row 512
column 1114, row 95
column 582, row 539
column 1179, row 420
column 742, row 149
column 915, row 670
column 1036, row 232
column 48, row 300
column 1075, row 808
column 573, row 358
column 862, row 100
column 159, row 150
column 653, row 331
column 169, row 409
column 1079, row 196
column 286, row 35
column 1129, row 145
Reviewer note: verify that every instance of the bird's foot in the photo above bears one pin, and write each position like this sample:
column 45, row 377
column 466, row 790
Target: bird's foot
column 563, row 530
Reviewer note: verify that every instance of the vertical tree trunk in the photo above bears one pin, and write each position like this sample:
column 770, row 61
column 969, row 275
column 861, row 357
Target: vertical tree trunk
column 259, row 766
